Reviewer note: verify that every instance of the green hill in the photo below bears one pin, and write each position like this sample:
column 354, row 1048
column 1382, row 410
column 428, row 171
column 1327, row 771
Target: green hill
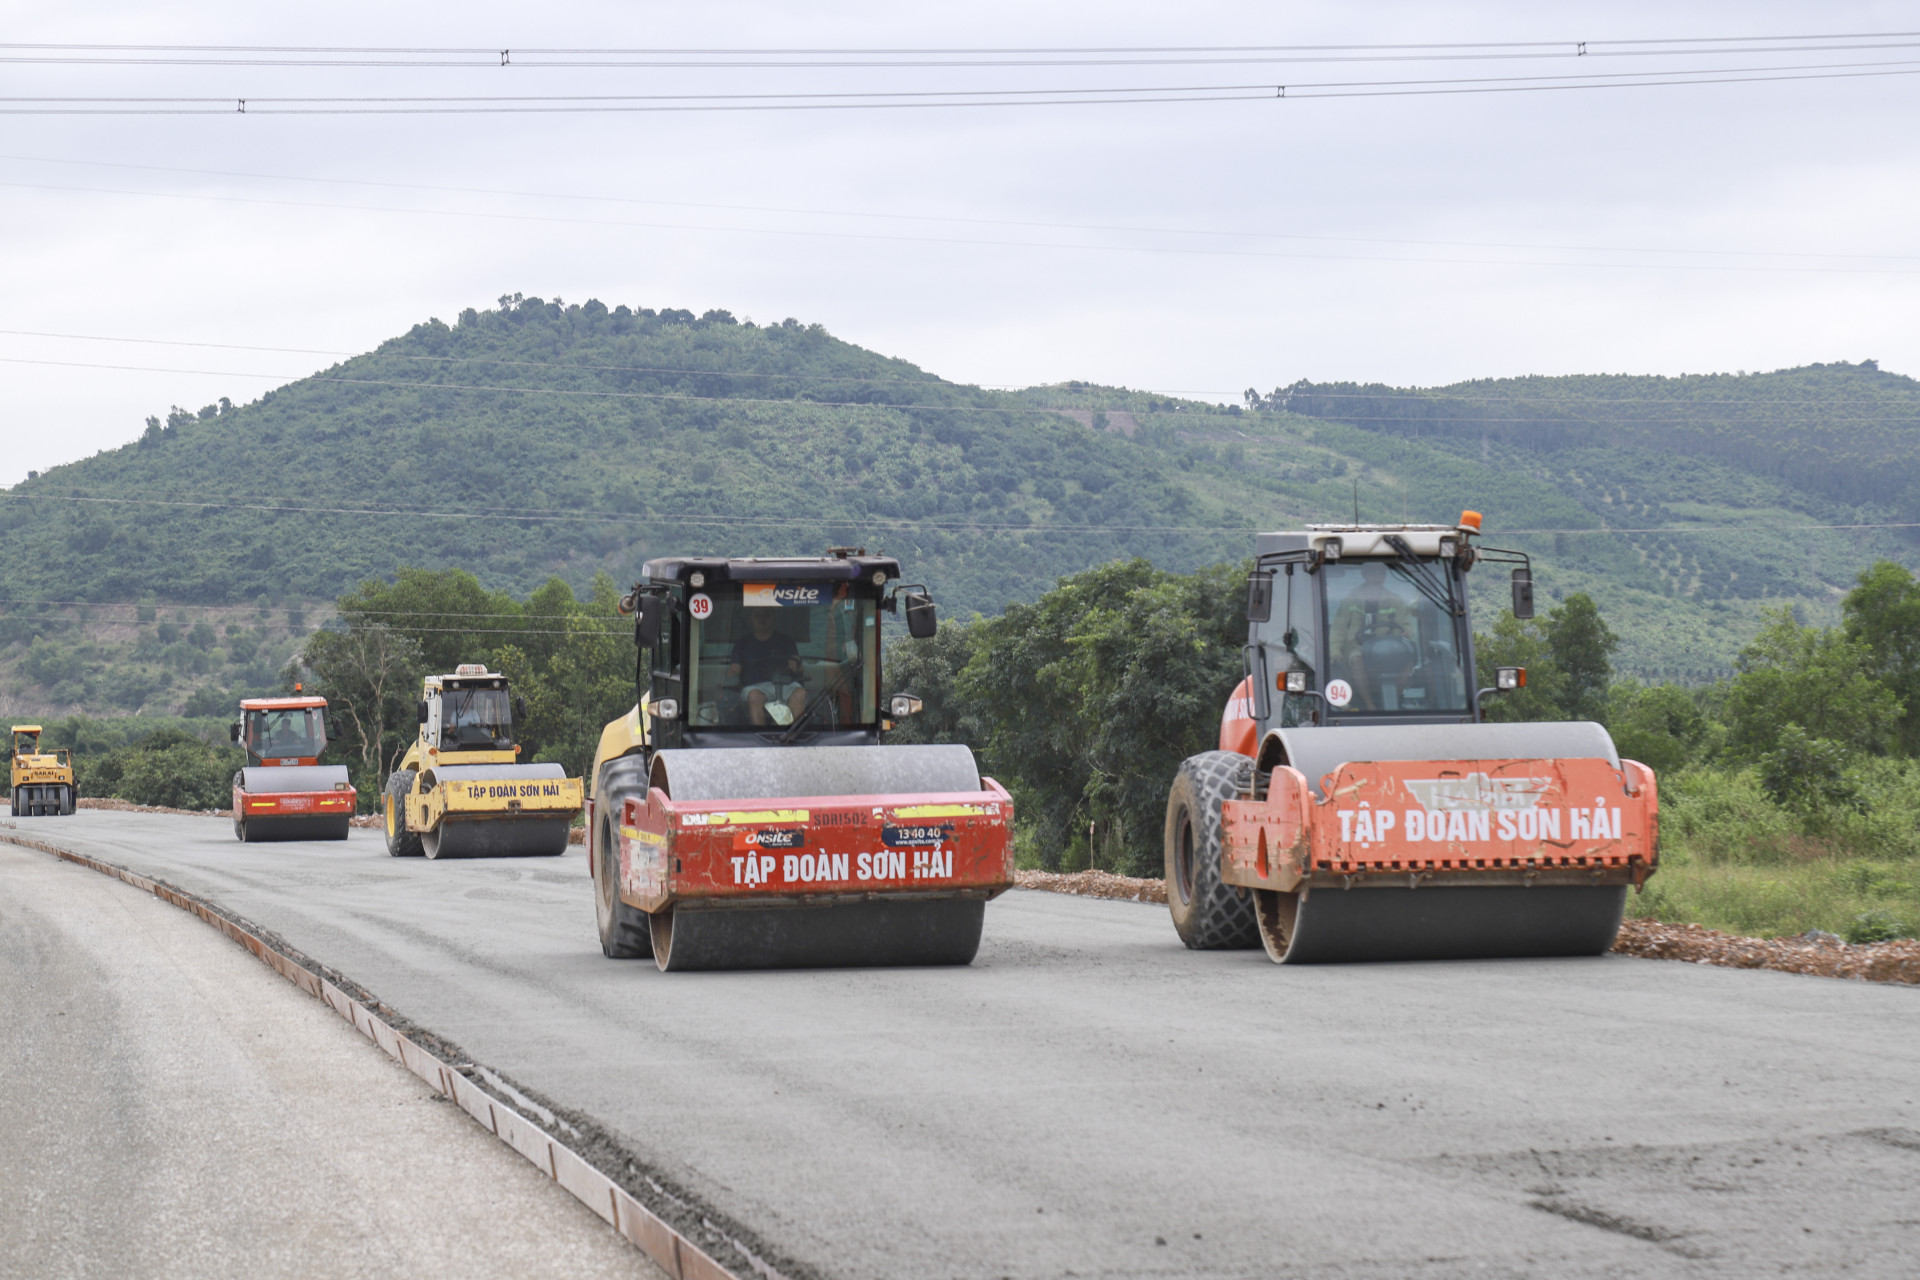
column 539, row 439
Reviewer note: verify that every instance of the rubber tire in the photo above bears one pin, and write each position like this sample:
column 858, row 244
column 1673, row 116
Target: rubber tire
column 626, row 933
column 401, row 843
column 1207, row 914
column 17, row 806
column 67, row 805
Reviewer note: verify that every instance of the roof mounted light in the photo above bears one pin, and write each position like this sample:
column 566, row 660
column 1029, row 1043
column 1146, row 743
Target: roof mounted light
column 471, row 669
column 1469, row 523
column 696, row 579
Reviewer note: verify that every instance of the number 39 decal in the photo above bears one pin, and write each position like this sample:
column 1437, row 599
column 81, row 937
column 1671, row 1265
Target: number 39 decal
column 700, row 605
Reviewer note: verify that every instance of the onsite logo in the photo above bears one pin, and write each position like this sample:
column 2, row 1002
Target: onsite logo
column 1477, row 791
column 782, row 595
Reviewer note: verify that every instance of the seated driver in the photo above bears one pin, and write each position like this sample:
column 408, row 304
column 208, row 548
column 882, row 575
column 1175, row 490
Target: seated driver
column 767, row 665
column 1371, row 610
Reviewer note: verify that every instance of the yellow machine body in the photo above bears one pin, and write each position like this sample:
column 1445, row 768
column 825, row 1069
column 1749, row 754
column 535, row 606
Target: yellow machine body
column 42, row 780
column 461, row 789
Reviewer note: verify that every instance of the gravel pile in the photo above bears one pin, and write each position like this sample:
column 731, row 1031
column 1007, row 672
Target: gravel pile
column 1815, row 952
column 1093, row 884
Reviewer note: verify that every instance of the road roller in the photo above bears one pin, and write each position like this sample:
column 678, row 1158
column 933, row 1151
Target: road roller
column 1360, row 807
column 747, row 813
column 42, row 780
column 461, row 791
column 283, row 792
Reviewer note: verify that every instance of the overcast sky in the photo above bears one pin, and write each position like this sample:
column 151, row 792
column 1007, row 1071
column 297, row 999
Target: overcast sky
column 1197, row 247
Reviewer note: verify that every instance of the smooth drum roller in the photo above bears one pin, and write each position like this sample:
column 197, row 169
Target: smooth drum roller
column 475, row 821
column 899, row 932
column 826, row 923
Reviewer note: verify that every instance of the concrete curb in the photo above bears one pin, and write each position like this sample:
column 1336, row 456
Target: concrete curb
column 672, row 1252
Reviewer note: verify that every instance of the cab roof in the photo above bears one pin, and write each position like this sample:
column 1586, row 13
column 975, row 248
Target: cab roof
column 26, row 728
column 281, row 704
column 832, row 568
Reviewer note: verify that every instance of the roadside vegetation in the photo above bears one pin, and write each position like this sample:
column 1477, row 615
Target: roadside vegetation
column 1790, row 791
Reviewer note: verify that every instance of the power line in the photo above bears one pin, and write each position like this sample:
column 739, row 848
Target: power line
column 497, row 57
column 1121, row 228
column 923, row 99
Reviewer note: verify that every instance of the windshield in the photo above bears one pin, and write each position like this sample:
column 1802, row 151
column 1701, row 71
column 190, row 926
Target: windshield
column 26, row 744
column 1389, row 647
column 298, row 732
column 768, row 653
column 475, row 719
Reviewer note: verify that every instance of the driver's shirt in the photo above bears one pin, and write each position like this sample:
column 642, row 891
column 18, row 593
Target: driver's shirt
column 1364, row 612
column 764, row 661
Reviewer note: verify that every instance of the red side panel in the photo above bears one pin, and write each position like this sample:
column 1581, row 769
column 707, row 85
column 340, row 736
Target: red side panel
column 815, row 847
column 1441, row 816
column 322, row 803
column 1238, row 729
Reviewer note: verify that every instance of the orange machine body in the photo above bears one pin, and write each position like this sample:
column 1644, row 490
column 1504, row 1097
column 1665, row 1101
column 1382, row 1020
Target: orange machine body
column 1446, row 822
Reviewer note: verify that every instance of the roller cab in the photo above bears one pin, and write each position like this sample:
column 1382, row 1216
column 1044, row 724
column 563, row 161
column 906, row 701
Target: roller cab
column 1359, row 807
column 461, row 790
column 284, row 792
column 43, row 784
column 748, row 814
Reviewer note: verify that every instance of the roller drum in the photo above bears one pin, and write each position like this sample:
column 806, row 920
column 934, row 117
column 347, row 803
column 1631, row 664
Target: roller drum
column 273, row 779
column 1318, row 751
column 298, row 826
column 877, row 933
column 497, row 838
column 1467, row 923
column 773, row 773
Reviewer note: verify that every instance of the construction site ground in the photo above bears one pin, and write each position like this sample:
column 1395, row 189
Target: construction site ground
column 1089, row 1098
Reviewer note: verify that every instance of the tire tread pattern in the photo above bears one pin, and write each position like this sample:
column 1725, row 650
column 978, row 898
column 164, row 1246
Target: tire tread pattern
column 1222, row 917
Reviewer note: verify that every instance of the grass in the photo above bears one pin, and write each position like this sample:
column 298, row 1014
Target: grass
column 1732, row 859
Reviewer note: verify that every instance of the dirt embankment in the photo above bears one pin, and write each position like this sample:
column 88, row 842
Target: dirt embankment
column 1821, row 954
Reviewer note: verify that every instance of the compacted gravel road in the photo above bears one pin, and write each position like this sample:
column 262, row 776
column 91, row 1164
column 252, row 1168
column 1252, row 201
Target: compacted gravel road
column 1090, row 1099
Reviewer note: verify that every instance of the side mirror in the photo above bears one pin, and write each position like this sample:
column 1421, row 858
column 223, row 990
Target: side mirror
column 233, row 731
column 922, row 622
column 333, row 727
column 903, row 705
column 420, row 708
column 1260, row 597
column 648, row 628
column 519, row 707
column 1523, row 593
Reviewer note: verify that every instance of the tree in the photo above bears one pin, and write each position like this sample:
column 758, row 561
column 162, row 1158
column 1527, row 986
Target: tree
column 1582, row 646
column 1569, row 671
column 1882, row 614
column 1090, row 697
column 1817, row 679
column 1661, row 726
column 1515, row 642
column 370, row 675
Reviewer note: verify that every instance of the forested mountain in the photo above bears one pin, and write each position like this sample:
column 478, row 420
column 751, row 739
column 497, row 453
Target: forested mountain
column 538, row 439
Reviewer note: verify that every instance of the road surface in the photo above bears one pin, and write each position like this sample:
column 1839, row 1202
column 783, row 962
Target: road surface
column 1090, row 1099
column 175, row 1108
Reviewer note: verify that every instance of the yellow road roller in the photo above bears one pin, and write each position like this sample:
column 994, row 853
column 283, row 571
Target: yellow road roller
column 42, row 780
column 461, row 791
